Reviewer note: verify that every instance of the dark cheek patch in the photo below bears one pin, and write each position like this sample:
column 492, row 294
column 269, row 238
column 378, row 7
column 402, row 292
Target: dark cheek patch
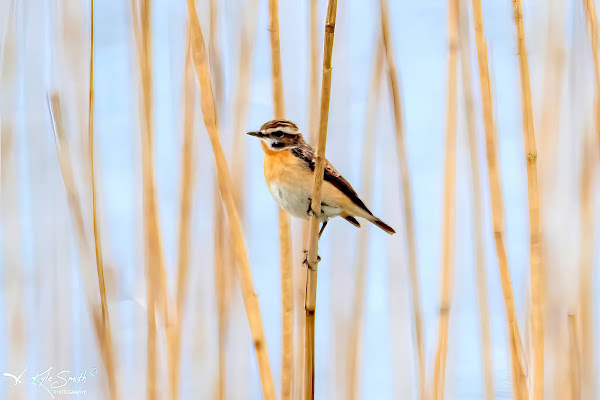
column 277, row 145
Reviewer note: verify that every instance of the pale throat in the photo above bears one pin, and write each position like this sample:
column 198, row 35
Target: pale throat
column 274, row 145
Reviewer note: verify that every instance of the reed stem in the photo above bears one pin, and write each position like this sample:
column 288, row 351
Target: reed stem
column 313, row 243
column 106, row 342
column 449, row 228
column 285, row 236
column 519, row 384
column 535, row 231
column 185, row 213
column 476, row 190
column 592, row 22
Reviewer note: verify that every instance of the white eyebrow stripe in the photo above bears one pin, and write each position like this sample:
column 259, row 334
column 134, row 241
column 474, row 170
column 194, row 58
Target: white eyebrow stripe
column 284, row 129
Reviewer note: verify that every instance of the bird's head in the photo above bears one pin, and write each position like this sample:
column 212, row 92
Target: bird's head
column 279, row 134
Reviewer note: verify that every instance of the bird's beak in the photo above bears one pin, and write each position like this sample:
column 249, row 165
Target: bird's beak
column 257, row 134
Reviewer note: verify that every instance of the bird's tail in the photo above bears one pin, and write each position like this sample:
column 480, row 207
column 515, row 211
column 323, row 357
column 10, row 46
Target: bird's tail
column 382, row 225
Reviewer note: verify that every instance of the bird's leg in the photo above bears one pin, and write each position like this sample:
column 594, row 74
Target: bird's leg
column 323, row 225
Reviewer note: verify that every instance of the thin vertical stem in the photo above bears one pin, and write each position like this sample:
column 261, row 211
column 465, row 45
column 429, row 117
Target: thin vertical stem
column 311, row 270
column 586, row 275
column 285, row 236
column 220, row 272
column 106, row 342
column 574, row 359
column 476, row 190
column 449, row 228
column 535, row 232
column 403, row 168
column 187, row 190
column 156, row 276
column 313, row 99
column 519, row 384
column 313, row 127
column 592, row 21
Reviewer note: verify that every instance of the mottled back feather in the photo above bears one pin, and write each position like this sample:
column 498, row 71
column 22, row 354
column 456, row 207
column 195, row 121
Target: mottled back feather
column 306, row 153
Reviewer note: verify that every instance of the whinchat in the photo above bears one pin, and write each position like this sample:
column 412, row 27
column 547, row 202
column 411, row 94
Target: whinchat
column 289, row 168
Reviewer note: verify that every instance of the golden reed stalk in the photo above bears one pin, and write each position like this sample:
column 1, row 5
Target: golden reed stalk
column 185, row 219
column 155, row 271
column 313, row 128
column 449, row 222
column 589, row 384
column 220, row 276
column 574, row 359
column 406, row 193
column 313, row 243
column 519, row 383
column 586, row 271
column 14, row 282
column 538, row 280
column 360, row 279
column 106, row 343
column 476, row 190
column 199, row 57
column 592, row 22
column 285, row 239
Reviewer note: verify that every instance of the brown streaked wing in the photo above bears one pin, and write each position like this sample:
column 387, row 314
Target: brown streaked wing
column 306, row 153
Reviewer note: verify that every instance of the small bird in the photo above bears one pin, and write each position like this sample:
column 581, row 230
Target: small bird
column 289, row 168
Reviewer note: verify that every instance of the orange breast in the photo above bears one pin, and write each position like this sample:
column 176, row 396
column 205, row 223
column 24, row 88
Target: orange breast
column 281, row 167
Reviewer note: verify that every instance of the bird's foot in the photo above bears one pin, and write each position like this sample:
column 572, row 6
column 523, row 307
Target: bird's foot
column 305, row 262
column 310, row 212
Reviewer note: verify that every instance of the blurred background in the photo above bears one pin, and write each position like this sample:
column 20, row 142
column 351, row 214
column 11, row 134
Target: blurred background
column 149, row 209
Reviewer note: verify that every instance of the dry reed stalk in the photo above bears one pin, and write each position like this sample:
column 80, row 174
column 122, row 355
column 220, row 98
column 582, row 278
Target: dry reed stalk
column 586, row 275
column 199, row 57
column 592, row 22
column 313, row 127
column 155, row 274
column 214, row 54
column 143, row 49
column 14, row 282
column 85, row 252
column 220, row 272
column 449, row 222
column 313, row 67
column 14, row 298
column 373, row 98
column 476, row 190
column 407, row 194
column 185, row 220
column 313, row 242
column 574, row 359
column 535, row 231
column 519, row 384
column 285, row 239
column 106, row 344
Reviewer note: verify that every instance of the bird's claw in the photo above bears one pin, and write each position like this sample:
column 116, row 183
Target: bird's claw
column 305, row 262
column 310, row 212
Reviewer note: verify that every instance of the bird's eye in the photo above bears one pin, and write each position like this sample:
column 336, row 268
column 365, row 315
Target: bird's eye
column 277, row 134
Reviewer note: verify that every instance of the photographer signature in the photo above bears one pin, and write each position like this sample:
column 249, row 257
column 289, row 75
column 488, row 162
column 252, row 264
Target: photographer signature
column 53, row 383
